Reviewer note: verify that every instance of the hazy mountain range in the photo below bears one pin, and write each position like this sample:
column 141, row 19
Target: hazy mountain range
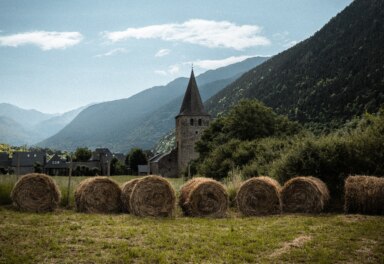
column 140, row 120
column 20, row 126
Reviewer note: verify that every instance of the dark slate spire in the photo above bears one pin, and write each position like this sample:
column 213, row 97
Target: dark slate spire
column 192, row 104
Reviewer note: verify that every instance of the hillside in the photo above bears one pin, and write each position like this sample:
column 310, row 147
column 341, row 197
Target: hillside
column 14, row 133
column 141, row 119
column 334, row 75
column 26, row 118
column 20, row 126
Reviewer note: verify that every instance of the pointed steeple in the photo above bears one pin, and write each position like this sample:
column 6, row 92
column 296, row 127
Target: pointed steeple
column 192, row 104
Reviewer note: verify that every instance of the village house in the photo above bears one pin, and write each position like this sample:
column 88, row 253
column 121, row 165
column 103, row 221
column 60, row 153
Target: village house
column 28, row 162
column 57, row 166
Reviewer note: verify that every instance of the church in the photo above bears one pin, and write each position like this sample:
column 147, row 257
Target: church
column 191, row 121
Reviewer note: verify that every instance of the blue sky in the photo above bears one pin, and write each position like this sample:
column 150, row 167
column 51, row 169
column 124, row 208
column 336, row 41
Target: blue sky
column 59, row 55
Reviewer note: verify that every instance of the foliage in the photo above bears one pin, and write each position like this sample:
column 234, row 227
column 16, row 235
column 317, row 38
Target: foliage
column 137, row 157
column 332, row 158
column 83, row 154
column 117, row 167
column 234, row 140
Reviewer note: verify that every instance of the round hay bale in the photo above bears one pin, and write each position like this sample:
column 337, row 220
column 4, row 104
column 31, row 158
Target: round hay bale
column 203, row 197
column 364, row 195
column 152, row 196
column 304, row 195
column 126, row 191
column 98, row 195
column 259, row 196
column 36, row 193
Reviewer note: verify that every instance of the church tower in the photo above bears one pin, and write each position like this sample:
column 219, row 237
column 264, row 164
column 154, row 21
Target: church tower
column 190, row 123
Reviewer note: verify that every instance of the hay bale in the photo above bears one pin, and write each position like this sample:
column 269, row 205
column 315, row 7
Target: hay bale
column 152, row 196
column 98, row 195
column 36, row 193
column 304, row 195
column 126, row 191
column 364, row 195
column 203, row 197
column 259, row 196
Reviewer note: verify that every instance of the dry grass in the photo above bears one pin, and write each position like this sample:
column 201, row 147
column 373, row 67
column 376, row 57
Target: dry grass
column 304, row 195
column 259, row 196
column 203, row 197
column 153, row 196
column 98, row 195
column 126, row 191
column 36, row 193
column 364, row 195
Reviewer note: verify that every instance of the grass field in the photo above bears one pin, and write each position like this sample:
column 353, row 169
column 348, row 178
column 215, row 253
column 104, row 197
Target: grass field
column 69, row 237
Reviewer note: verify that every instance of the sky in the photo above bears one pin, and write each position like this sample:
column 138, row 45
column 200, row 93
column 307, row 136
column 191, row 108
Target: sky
column 59, row 55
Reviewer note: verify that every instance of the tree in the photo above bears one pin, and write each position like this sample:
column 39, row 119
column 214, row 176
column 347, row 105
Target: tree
column 83, row 154
column 117, row 167
column 232, row 141
column 137, row 157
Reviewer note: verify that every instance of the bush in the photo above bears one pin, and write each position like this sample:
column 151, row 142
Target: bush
column 334, row 157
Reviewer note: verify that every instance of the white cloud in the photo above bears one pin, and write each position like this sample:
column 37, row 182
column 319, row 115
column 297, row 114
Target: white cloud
column 43, row 39
column 112, row 52
column 172, row 70
column 162, row 53
column 214, row 64
column 160, row 72
column 290, row 43
column 206, row 33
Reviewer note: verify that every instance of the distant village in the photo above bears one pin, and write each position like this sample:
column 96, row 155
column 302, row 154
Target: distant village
column 23, row 162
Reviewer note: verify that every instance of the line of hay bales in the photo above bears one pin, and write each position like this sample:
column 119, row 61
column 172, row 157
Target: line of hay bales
column 199, row 197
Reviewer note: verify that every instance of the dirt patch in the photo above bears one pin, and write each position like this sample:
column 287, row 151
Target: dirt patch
column 298, row 242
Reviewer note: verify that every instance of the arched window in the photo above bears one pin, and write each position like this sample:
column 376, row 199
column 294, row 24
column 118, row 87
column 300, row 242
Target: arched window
column 191, row 121
column 200, row 122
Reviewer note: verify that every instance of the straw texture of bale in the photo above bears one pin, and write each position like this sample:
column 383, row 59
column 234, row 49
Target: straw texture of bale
column 259, row 196
column 304, row 195
column 153, row 196
column 203, row 197
column 364, row 195
column 98, row 195
column 36, row 193
column 126, row 191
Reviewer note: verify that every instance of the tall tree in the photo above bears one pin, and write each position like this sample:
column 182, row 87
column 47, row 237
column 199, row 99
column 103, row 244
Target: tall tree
column 83, row 154
column 137, row 157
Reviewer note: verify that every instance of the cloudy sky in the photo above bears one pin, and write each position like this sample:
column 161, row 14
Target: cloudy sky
column 59, row 55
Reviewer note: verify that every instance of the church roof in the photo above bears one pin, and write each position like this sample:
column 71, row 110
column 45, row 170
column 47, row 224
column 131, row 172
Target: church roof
column 192, row 104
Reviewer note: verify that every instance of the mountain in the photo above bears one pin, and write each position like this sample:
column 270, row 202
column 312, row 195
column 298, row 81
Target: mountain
column 26, row 118
column 329, row 78
column 20, row 126
column 142, row 119
column 14, row 133
column 53, row 125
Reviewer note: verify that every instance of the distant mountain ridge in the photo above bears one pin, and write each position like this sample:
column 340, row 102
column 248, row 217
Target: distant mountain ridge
column 27, row 127
column 142, row 119
column 329, row 78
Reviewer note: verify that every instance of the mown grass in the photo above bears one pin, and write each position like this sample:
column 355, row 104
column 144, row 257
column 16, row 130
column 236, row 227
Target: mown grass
column 69, row 237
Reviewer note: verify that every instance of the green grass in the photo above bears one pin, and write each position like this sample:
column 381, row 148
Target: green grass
column 69, row 237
